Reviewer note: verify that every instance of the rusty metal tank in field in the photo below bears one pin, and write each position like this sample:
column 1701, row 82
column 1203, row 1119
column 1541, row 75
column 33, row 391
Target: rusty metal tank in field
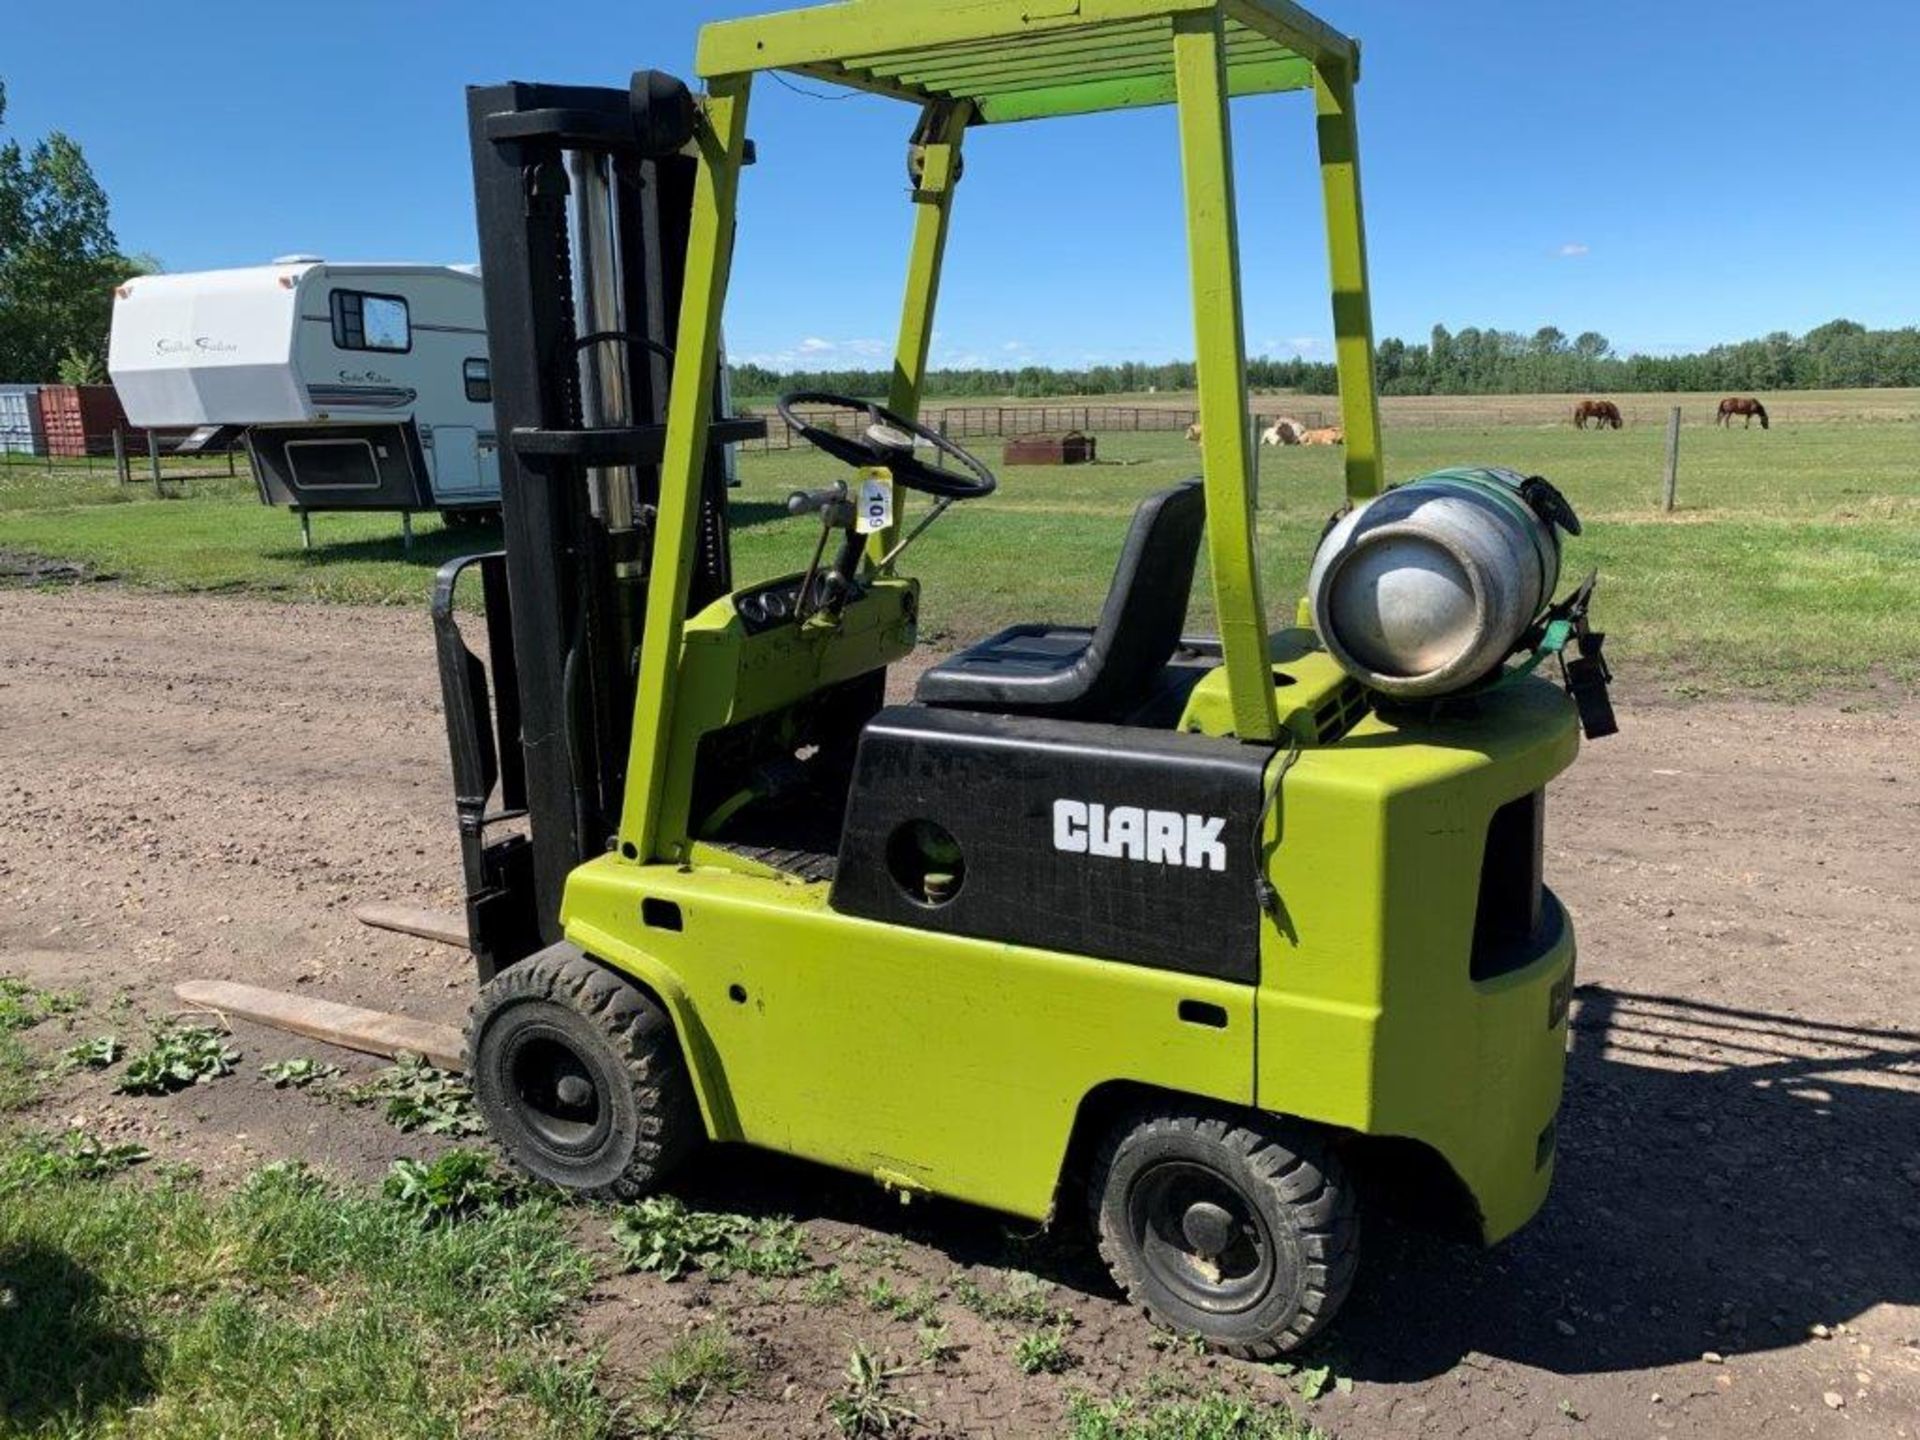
column 1073, row 448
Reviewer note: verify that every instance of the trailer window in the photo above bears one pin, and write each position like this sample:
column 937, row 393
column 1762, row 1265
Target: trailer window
column 363, row 321
column 479, row 382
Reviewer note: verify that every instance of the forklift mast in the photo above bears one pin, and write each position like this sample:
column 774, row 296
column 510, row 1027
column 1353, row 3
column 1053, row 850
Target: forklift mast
column 583, row 199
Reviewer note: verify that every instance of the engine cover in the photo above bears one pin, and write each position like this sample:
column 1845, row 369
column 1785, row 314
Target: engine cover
column 1108, row 841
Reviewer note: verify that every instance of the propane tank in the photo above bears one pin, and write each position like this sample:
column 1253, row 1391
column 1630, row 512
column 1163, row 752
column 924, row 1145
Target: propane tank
column 1427, row 588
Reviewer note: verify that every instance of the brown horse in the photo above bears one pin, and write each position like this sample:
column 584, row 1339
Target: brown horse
column 1742, row 405
column 1604, row 411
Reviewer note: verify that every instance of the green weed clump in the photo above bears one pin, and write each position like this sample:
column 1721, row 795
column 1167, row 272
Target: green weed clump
column 181, row 1056
column 455, row 1186
column 662, row 1236
column 1208, row 1417
column 419, row 1096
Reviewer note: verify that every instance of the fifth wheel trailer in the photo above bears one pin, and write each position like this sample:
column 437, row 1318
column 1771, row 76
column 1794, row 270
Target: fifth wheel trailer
column 357, row 387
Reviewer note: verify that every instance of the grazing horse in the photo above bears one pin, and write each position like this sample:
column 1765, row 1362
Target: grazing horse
column 1742, row 405
column 1194, row 432
column 1604, row 411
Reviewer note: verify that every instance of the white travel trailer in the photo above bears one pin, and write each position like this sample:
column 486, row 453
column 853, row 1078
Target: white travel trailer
column 358, row 387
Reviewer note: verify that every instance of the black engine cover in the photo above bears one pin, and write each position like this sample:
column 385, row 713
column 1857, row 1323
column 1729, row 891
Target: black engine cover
column 1102, row 840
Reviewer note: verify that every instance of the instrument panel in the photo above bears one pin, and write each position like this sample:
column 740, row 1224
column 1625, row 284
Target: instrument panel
column 767, row 606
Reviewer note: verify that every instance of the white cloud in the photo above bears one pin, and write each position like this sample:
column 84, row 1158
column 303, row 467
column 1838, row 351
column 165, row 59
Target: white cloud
column 814, row 350
column 1574, row 249
column 1014, row 347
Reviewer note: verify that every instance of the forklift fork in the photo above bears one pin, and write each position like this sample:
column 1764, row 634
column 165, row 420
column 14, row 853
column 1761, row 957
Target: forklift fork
column 483, row 737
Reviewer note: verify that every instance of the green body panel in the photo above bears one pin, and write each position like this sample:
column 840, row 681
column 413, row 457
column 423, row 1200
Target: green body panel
column 727, row 675
column 933, row 1062
column 1369, row 1018
column 958, row 1065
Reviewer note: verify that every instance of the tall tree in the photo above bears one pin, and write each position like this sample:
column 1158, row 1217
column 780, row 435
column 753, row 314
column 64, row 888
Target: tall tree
column 59, row 260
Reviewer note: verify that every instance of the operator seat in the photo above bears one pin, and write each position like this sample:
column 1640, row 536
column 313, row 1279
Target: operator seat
column 1073, row 673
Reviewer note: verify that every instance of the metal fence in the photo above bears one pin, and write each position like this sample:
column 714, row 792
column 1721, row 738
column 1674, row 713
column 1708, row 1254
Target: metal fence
column 128, row 456
column 974, row 422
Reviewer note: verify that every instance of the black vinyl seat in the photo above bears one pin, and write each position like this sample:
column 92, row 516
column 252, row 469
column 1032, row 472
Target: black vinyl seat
column 1070, row 672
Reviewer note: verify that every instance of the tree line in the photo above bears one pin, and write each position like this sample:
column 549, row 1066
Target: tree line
column 59, row 262
column 1841, row 355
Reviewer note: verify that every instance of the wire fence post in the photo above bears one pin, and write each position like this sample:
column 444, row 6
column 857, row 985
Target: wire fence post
column 153, row 460
column 120, row 456
column 1673, row 459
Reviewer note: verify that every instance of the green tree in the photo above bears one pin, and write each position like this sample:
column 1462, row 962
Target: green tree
column 59, row 260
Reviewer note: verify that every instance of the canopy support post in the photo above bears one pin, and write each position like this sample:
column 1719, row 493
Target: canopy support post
column 1206, row 149
column 720, row 135
column 1347, row 260
column 938, row 139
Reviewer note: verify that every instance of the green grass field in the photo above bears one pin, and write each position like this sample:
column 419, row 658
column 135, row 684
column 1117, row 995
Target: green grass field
column 1792, row 564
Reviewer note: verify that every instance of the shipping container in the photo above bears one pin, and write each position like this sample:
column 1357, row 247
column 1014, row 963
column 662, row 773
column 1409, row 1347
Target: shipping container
column 81, row 419
column 20, row 430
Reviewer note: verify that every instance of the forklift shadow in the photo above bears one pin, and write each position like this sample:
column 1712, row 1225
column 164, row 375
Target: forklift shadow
column 67, row 1371
column 1727, row 1179
column 431, row 549
column 744, row 514
column 765, row 1184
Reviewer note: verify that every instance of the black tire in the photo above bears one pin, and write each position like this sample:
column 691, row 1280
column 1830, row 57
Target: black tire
column 1242, row 1231
column 579, row 1076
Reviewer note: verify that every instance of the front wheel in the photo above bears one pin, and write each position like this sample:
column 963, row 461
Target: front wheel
column 1243, row 1232
column 580, row 1077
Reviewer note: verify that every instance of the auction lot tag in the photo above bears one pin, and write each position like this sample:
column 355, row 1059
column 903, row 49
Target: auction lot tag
column 876, row 502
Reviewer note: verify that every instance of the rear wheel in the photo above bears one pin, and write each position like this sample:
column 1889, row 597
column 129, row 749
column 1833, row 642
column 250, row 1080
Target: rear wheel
column 580, row 1077
column 1243, row 1232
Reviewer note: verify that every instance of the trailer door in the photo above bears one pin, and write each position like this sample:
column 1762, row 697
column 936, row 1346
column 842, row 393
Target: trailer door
column 456, row 461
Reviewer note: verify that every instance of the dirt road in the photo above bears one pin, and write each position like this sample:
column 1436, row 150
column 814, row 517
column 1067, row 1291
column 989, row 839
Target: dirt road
column 205, row 787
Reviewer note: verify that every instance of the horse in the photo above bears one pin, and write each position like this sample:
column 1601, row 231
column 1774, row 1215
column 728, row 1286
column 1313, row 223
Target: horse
column 1604, row 411
column 1193, row 432
column 1330, row 435
column 1283, row 431
column 1742, row 405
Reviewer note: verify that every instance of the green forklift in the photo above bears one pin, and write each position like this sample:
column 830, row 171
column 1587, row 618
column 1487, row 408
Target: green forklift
column 1111, row 920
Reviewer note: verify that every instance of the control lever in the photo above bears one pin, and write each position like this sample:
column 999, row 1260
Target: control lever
column 837, row 511
column 824, row 503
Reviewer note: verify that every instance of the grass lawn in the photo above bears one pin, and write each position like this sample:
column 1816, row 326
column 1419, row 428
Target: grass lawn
column 1793, row 562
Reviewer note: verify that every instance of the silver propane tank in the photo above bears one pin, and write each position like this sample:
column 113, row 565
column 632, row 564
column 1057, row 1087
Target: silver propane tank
column 1425, row 589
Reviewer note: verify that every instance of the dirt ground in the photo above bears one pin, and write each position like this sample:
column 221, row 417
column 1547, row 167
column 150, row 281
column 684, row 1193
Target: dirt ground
column 205, row 787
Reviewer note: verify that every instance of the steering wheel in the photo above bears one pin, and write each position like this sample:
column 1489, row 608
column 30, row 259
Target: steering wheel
column 890, row 440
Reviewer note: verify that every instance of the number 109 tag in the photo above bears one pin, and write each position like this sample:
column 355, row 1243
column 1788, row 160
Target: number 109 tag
column 876, row 502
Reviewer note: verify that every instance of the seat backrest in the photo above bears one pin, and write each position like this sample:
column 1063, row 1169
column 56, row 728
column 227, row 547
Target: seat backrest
column 1146, row 607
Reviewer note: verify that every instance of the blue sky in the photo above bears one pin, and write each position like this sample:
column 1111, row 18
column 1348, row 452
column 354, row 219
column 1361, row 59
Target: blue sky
column 1650, row 170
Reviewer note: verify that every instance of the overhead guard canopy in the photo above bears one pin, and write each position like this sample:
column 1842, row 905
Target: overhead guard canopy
column 1025, row 59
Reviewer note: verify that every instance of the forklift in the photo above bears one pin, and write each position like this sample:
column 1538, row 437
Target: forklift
column 1110, row 921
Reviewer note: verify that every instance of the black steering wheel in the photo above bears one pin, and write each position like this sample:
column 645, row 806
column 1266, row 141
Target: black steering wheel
column 890, row 440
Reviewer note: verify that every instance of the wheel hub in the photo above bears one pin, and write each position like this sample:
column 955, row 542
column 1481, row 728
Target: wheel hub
column 1209, row 1229
column 1201, row 1237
